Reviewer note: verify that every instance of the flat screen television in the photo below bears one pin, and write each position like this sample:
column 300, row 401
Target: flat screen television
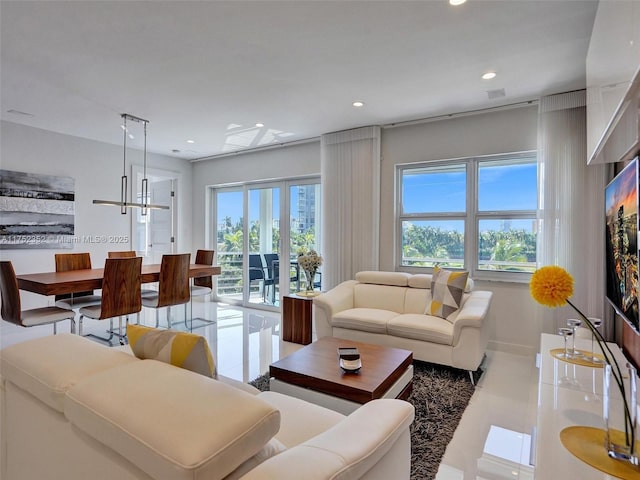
column 621, row 216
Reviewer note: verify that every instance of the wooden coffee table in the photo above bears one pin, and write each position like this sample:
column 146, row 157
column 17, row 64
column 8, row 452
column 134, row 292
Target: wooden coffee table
column 313, row 374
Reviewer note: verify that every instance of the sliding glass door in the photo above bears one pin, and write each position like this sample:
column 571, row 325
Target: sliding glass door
column 264, row 245
column 256, row 250
column 229, row 242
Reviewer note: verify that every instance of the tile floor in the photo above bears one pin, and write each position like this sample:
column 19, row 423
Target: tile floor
column 491, row 442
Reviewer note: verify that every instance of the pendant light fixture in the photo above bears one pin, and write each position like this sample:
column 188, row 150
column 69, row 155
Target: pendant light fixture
column 123, row 203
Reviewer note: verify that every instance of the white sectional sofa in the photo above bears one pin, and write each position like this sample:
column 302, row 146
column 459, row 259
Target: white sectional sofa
column 388, row 308
column 73, row 409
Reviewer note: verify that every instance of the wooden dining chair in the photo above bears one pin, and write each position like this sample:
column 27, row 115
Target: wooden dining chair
column 203, row 285
column 75, row 261
column 11, row 310
column 173, row 286
column 122, row 254
column 129, row 254
column 120, row 296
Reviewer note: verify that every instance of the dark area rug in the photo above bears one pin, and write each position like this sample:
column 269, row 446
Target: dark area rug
column 440, row 396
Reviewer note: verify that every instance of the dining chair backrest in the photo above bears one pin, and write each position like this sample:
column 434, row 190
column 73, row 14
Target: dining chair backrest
column 122, row 254
column 271, row 259
column 11, row 307
column 256, row 269
column 173, row 285
column 73, row 261
column 121, row 287
column 204, row 257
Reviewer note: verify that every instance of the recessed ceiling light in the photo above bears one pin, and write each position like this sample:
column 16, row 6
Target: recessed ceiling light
column 456, row 2
column 259, row 125
column 489, row 75
column 191, row 141
column 358, row 104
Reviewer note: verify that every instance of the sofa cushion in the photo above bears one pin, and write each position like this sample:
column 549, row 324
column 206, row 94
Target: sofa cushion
column 365, row 319
column 383, row 297
column 427, row 328
column 416, row 300
column 423, row 280
column 399, row 279
column 182, row 349
column 447, row 288
column 171, row 423
column 420, row 280
column 49, row 366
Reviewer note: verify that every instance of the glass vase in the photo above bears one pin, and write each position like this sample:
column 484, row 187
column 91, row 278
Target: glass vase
column 620, row 415
column 310, row 276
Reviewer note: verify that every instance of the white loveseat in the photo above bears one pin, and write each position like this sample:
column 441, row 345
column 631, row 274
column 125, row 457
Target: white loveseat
column 388, row 308
column 73, row 409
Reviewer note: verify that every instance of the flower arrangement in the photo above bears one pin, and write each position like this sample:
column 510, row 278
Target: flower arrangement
column 310, row 262
column 552, row 286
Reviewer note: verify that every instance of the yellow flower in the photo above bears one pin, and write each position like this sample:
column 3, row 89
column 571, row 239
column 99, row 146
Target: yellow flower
column 551, row 286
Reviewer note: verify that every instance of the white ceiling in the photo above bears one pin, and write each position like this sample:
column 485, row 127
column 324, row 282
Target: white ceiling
column 209, row 70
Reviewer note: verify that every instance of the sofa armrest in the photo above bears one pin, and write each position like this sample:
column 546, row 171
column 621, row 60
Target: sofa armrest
column 473, row 312
column 351, row 448
column 326, row 305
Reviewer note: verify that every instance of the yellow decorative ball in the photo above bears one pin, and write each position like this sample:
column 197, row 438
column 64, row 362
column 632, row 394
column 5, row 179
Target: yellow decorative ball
column 551, row 286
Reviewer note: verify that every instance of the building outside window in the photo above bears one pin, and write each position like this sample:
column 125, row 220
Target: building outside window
column 477, row 214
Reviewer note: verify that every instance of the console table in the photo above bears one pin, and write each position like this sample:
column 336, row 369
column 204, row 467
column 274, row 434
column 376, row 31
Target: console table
column 297, row 319
column 568, row 395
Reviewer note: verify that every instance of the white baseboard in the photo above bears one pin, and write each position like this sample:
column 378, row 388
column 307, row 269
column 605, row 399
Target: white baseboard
column 512, row 348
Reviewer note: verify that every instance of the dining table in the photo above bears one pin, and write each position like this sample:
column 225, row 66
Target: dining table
column 74, row 281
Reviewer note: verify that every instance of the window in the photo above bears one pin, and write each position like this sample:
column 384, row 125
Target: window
column 477, row 213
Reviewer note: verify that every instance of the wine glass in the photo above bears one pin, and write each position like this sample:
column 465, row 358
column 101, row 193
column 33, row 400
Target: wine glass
column 566, row 332
column 596, row 322
column 574, row 323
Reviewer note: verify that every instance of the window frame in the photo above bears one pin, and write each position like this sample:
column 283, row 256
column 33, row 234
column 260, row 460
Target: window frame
column 471, row 217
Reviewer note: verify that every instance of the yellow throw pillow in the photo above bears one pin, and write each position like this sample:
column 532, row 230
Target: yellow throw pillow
column 446, row 292
column 184, row 350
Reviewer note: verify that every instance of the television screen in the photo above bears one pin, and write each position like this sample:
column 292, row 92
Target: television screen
column 621, row 211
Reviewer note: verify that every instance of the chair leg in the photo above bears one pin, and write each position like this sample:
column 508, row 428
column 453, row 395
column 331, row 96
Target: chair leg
column 103, row 339
column 157, row 318
column 72, row 325
column 55, row 328
column 80, row 325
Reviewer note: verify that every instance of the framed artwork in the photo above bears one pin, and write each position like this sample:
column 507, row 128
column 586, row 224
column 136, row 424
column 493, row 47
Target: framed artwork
column 36, row 211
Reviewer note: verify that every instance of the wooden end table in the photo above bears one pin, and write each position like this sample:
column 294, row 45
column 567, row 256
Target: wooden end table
column 313, row 374
column 296, row 319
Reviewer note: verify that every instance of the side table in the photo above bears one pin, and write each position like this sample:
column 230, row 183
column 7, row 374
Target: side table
column 296, row 319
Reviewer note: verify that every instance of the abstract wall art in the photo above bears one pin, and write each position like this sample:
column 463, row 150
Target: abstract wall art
column 36, row 211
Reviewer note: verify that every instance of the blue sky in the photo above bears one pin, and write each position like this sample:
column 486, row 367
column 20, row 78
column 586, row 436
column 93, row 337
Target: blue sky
column 500, row 188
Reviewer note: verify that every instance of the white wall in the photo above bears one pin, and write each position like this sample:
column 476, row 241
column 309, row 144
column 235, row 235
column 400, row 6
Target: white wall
column 96, row 168
column 512, row 309
column 295, row 161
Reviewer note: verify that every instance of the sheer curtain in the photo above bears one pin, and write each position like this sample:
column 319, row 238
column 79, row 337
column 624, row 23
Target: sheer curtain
column 571, row 211
column 350, row 170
